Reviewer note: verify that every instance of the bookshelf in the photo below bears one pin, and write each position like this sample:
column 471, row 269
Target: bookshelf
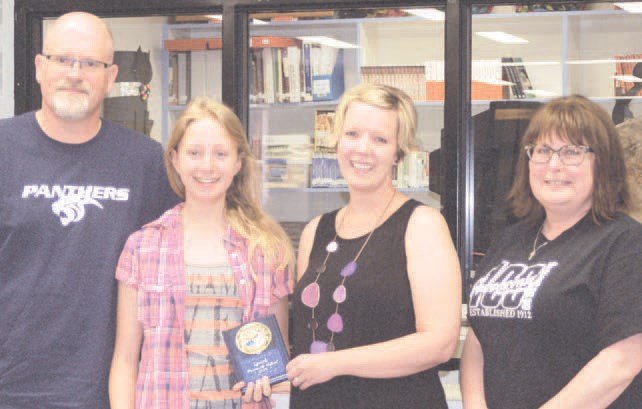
column 191, row 66
column 565, row 52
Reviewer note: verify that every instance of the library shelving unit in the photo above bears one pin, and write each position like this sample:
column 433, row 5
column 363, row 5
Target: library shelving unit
column 561, row 52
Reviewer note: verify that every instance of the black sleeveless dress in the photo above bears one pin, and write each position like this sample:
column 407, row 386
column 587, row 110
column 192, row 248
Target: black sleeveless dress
column 378, row 308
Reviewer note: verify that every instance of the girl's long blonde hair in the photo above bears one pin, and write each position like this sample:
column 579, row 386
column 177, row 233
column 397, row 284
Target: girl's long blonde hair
column 242, row 199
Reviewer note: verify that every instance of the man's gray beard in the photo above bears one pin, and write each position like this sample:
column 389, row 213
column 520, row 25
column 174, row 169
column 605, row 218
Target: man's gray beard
column 72, row 108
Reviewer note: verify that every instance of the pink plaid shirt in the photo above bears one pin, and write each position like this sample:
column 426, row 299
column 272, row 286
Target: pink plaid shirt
column 152, row 262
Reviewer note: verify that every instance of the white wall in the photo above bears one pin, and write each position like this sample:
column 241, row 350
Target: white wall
column 6, row 58
column 146, row 32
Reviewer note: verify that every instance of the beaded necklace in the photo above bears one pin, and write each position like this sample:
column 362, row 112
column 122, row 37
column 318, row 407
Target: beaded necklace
column 311, row 294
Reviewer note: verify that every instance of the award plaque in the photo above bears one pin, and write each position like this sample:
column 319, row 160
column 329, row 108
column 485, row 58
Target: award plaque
column 257, row 349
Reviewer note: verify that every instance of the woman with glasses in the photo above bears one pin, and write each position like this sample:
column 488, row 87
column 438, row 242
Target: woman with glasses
column 556, row 310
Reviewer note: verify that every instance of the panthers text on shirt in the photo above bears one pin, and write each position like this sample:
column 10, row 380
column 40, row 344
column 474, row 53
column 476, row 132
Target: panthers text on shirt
column 70, row 200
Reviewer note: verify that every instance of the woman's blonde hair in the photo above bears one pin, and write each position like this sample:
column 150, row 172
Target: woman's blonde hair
column 386, row 97
column 242, row 199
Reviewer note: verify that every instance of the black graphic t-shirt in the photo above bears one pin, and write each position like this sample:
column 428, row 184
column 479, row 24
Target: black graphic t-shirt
column 540, row 321
column 65, row 213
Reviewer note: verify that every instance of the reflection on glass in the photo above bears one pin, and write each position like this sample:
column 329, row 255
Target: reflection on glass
column 587, row 49
column 305, row 63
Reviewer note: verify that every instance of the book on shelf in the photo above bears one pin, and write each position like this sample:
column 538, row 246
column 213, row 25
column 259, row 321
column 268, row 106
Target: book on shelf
column 306, row 84
column 287, row 70
column 286, row 159
column 172, row 84
column 435, row 90
column 486, row 80
column 625, row 79
column 409, row 78
column 412, row 171
column 323, row 130
column 509, row 74
column 327, row 72
column 179, row 85
column 514, row 72
column 524, row 80
column 325, row 171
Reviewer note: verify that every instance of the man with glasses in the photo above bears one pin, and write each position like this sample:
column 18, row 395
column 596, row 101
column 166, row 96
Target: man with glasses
column 73, row 186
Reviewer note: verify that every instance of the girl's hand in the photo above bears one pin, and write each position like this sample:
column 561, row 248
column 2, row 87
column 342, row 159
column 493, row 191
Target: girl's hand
column 256, row 391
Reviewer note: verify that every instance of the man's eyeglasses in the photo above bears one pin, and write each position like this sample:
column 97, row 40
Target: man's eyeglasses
column 571, row 155
column 87, row 64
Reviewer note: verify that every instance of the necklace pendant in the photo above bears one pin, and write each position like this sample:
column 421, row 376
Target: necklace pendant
column 532, row 254
column 335, row 322
column 311, row 295
column 318, row 347
column 349, row 269
column 332, row 246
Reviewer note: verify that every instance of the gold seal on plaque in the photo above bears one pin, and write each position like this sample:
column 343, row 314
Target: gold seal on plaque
column 253, row 338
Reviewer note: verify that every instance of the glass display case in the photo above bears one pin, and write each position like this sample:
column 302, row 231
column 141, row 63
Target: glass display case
column 592, row 50
column 295, row 86
column 190, row 65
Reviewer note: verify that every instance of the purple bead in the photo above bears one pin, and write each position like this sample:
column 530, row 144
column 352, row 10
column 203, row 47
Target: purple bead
column 349, row 269
column 335, row 322
column 318, row 347
column 339, row 294
column 310, row 295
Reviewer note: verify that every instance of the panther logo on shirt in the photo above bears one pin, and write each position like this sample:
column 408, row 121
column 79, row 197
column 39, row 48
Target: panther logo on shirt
column 72, row 208
column 71, row 201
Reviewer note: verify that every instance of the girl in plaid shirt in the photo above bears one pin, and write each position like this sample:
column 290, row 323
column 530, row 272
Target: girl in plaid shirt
column 212, row 262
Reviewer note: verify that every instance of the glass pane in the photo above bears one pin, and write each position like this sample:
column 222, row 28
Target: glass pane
column 192, row 63
column 300, row 65
column 536, row 53
column 163, row 62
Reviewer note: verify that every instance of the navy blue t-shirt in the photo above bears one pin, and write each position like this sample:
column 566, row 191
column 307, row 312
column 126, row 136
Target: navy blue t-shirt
column 65, row 213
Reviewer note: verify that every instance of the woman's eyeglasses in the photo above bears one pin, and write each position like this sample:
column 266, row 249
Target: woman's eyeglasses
column 571, row 155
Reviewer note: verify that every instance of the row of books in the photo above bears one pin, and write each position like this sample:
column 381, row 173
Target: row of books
column 286, row 160
column 321, row 169
column 283, row 70
column 324, row 171
column 490, row 79
column 514, row 72
column 409, row 78
column 412, row 171
column 625, row 78
column 287, row 70
column 299, row 72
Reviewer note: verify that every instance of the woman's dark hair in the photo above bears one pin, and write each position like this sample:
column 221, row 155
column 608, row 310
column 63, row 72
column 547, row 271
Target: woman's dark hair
column 579, row 121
